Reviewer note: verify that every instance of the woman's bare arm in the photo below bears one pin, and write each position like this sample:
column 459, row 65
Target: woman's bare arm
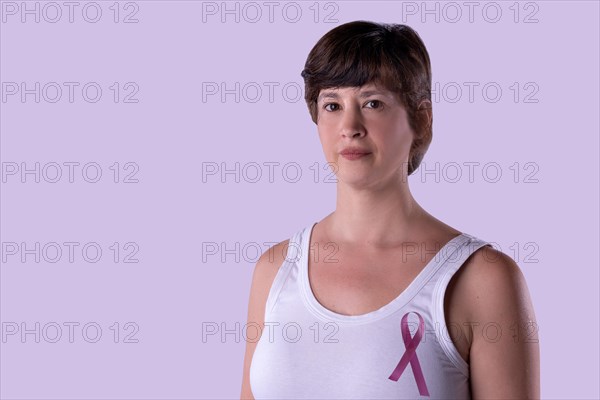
column 504, row 354
column 264, row 274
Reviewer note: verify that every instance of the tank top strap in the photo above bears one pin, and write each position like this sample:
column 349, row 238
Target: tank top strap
column 292, row 256
column 461, row 252
column 446, row 272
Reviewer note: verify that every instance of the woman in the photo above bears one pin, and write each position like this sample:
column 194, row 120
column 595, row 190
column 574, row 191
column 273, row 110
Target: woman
column 380, row 299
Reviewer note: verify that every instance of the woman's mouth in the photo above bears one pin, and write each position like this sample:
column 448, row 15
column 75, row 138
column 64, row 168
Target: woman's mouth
column 354, row 156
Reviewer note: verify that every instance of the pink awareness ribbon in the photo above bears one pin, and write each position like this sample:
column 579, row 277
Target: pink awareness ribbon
column 410, row 355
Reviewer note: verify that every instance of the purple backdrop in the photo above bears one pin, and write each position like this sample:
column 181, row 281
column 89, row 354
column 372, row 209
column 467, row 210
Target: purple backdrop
column 151, row 150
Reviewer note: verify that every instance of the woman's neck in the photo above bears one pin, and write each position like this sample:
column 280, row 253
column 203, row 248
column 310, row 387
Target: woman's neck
column 374, row 218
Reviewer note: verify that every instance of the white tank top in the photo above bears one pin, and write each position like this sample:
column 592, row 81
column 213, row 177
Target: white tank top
column 399, row 351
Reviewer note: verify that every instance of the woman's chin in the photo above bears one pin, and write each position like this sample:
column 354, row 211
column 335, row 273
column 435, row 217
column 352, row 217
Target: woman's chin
column 355, row 180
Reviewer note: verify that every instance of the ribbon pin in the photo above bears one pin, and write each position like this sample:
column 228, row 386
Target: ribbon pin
column 410, row 355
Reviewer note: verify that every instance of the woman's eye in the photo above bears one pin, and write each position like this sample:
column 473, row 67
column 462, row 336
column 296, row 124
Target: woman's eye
column 330, row 104
column 376, row 103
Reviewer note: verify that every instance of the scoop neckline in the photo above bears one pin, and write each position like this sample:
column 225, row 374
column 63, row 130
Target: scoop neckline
column 394, row 305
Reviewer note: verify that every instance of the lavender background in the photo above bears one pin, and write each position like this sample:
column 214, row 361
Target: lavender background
column 173, row 54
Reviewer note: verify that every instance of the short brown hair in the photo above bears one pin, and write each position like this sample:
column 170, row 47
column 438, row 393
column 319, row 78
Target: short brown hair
column 392, row 55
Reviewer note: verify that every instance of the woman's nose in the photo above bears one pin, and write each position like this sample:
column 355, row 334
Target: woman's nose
column 351, row 123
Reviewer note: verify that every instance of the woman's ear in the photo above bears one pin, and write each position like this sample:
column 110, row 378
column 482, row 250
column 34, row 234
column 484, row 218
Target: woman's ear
column 425, row 112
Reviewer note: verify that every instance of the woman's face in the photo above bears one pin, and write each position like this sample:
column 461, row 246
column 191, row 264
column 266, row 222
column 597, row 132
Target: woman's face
column 370, row 118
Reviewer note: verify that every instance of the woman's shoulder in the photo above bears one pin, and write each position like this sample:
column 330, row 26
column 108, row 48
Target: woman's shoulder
column 488, row 298
column 492, row 295
column 489, row 283
column 270, row 261
column 486, row 265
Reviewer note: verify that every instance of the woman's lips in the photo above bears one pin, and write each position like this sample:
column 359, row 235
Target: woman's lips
column 354, row 156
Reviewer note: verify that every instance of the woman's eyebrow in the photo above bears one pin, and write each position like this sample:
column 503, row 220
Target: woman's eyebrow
column 366, row 93
column 328, row 95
